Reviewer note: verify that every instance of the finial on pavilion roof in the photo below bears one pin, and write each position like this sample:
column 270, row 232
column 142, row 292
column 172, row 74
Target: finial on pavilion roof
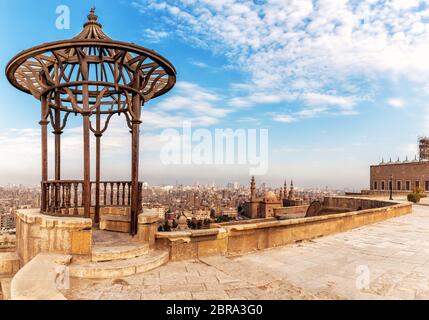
column 92, row 16
column 92, row 29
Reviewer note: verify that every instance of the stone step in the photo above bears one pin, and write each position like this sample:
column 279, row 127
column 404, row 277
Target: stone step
column 119, row 268
column 118, row 252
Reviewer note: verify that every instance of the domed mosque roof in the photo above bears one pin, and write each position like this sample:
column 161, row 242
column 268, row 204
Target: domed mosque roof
column 270, row 197
column 182, row 219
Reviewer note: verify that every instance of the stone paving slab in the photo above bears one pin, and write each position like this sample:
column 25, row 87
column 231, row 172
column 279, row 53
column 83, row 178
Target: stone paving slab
column 387, row 260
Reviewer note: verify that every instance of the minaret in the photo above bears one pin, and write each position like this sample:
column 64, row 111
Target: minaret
column 252, row 189
column 291, row 192
column 285, row 190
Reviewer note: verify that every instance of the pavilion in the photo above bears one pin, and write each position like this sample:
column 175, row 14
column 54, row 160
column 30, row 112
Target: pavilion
column 96, row 77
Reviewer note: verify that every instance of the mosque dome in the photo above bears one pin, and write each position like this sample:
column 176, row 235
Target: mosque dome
column 270, row 197
column 182, row 223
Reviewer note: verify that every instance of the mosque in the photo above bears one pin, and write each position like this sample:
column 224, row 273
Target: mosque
column 264, row 207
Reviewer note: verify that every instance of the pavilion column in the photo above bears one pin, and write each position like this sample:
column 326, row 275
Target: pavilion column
column 57, row 132
column 86, row 168
column 97, row 169
column 135, row 133
column 135, row 149
column 44, row 139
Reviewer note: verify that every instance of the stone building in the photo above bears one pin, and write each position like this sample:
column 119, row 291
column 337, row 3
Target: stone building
column 401, row 176
column 7, row 221
column 263, row 207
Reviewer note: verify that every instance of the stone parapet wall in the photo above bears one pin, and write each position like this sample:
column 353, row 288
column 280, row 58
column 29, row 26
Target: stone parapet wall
column 248, row 237
column 353, row 203
column 193, row 243
column 37, row 233
column 290, row 210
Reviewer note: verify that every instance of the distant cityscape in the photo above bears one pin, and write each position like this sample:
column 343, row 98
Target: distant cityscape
column 197, row 202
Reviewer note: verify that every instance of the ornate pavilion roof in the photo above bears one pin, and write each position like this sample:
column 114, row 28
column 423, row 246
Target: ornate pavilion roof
column 114, row 66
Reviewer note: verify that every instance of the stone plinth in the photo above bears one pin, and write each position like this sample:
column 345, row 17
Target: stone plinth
column 147, row 228
column 38, row 233
column 117, row 223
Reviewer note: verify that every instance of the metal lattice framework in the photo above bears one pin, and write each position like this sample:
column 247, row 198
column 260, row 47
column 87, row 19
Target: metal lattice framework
column 96, row 77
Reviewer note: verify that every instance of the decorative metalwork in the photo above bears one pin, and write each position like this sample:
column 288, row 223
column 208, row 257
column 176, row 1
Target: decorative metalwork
column 94, row 76
column 90, row 72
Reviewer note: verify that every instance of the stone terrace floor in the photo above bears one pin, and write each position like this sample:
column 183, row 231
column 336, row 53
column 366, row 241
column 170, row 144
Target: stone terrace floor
column 395, row 253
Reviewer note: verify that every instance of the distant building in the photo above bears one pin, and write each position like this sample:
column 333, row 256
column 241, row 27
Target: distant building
column 7, row 221
column 200, row 214
column 402, row 176
column 230, row 212
column 160, row 211
column 261, row 207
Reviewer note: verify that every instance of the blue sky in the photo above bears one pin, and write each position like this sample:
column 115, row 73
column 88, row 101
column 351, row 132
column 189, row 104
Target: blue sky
column 338, row 84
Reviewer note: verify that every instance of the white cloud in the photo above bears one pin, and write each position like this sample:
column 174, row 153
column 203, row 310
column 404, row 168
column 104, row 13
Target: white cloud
column 189, row 102
column 326, row 99
column 308, row 47
column 404, row 4
column 285, row 118
column 154, row 36
column 253, row 98
column 199, row 64
column 396, row 103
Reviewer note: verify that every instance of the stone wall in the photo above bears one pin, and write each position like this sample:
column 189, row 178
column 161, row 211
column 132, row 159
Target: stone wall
column 193, row 243
column 248, row 237
column 37, row 233
column 290, row 210
column 354, row 204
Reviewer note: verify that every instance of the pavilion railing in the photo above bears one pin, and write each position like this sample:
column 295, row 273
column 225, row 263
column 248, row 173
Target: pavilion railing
column 64, row 197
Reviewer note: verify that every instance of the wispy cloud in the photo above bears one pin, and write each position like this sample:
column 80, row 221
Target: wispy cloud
column 316, row 104
column 199, row 64
column 307, row 47
column 396, row 103
column 189, row 102
column 154, row 36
